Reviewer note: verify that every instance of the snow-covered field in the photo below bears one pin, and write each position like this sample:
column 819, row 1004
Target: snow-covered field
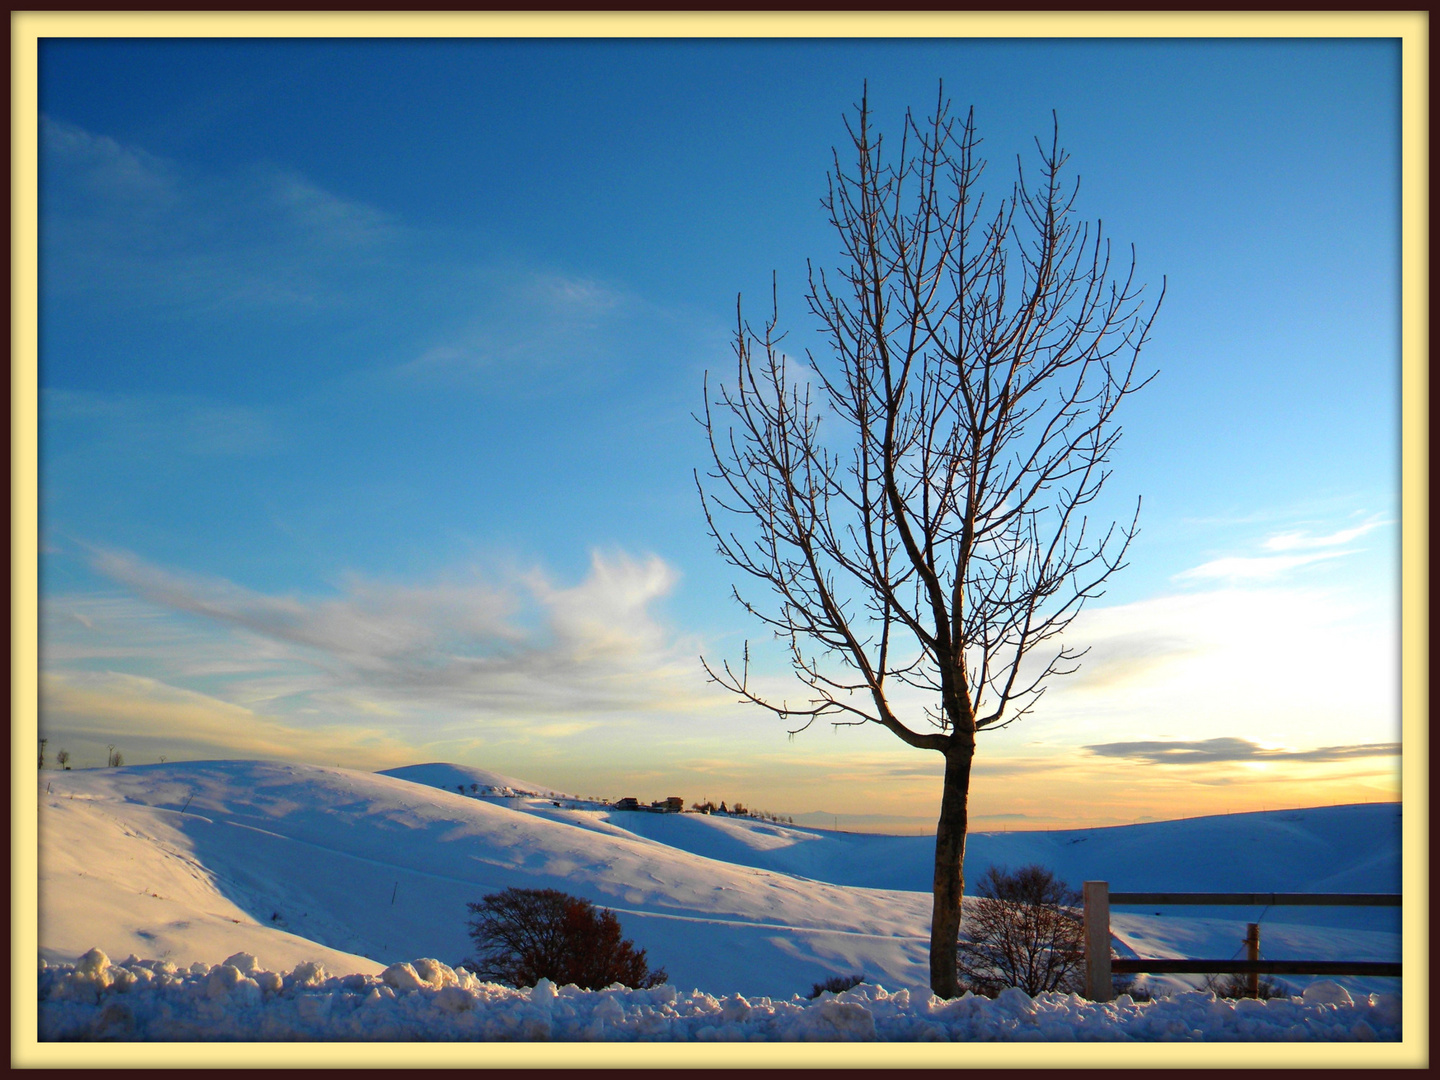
column 177, row 867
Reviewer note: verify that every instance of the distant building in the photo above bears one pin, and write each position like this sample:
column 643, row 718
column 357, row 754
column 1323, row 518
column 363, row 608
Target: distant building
column 674, row 804
column 628, row 804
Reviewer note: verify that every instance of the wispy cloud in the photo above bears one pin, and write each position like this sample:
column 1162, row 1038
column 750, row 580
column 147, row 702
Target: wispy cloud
column 322, row 216
column 1295, row 548
column 147, row 718
column 525, row 320
column 1302, row 540
column 1254, row 567
column 119, row 220
column 107, row 168
column 158, row 425
column 1230, row 749
column 574, row 297
column 501, row 649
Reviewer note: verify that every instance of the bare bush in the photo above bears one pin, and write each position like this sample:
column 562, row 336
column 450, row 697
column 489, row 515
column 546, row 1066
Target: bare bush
column 1022, row 931
column 837, row 984
column 525, row 935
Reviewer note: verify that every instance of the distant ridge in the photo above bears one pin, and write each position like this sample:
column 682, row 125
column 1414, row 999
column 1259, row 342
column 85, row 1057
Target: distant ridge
column 447, row 777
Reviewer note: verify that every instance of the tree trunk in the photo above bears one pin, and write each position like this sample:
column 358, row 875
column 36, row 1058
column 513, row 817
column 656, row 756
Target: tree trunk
column 949, row 869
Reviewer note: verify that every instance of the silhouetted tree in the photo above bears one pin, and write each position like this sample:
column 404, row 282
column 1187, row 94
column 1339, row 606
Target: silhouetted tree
column 931, row 535
column 63, row 759
column 1022, row 930
column 524, row 935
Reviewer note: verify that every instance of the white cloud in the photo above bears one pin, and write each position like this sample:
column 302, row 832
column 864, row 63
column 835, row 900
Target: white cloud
column 1284, row 666
column 1296, row 547
column 452, row 651
column 608, row 614
column 1254, row 567
column 1303, row 540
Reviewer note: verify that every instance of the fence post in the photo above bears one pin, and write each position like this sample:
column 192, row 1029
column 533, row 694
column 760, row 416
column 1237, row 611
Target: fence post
column 1099, row 985
column 1252, row 952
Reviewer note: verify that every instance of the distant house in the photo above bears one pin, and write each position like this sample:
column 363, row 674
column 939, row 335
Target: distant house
column 674, row 804
column 628, row 804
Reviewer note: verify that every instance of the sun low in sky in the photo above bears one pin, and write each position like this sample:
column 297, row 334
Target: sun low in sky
column 368, row 370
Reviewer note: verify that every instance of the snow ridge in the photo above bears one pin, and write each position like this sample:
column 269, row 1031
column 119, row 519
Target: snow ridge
column 427, row 1000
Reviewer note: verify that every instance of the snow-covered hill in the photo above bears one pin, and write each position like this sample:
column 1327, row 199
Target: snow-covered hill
column 191, row 862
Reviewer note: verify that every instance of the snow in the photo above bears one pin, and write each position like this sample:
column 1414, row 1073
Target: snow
column 427, row 1000
column 333, row 875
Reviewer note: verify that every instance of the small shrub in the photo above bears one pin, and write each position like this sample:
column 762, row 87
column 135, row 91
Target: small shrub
column 836, row 985
column 525, row 935
column 1022, row 931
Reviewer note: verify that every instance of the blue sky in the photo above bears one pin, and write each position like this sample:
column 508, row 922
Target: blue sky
column 367, row 371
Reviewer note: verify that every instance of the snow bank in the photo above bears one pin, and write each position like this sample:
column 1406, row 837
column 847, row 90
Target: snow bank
column 427, row 1000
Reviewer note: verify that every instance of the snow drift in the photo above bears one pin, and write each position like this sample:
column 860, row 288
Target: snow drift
column 427, row 1000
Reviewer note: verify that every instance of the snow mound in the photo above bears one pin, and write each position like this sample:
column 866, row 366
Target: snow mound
column 427, row 1000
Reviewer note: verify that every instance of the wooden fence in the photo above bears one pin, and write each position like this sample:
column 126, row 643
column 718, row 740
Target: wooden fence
column 1099, row 967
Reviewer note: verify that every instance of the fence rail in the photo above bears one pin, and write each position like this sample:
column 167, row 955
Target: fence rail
column 1099, row 967
column 1125, row 965
column 1259, row 899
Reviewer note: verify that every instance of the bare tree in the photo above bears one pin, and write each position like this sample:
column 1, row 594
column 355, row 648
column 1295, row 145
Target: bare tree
column 63, row 759
column 928, row 544
column 1022, row 930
